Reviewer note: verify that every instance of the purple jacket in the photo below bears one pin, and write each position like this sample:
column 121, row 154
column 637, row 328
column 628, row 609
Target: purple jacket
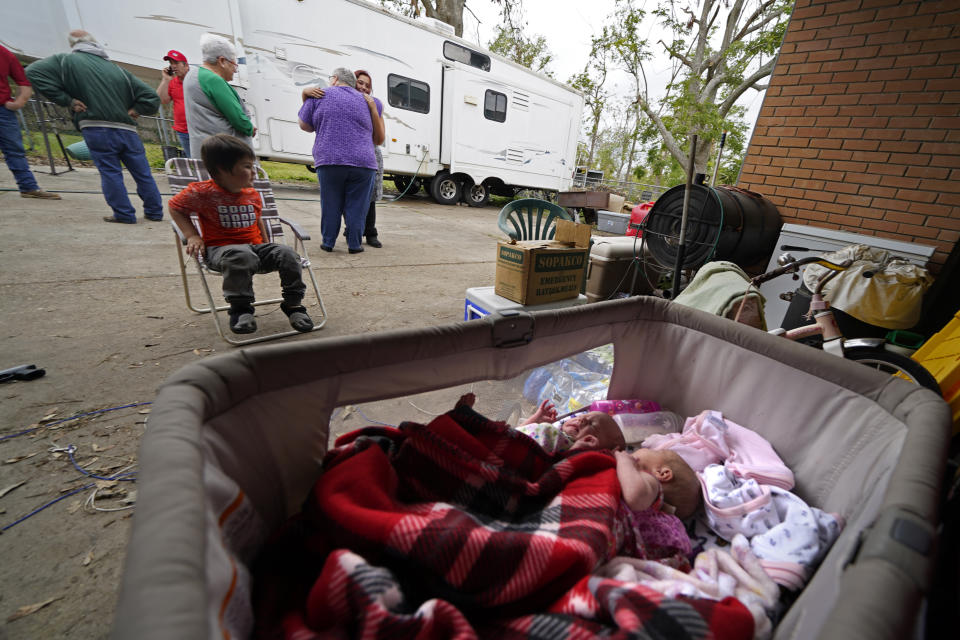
column 344, row 132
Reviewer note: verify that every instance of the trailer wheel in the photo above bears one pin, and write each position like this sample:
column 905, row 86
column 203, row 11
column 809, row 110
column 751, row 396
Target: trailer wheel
column 476, row 195
column 445, row 189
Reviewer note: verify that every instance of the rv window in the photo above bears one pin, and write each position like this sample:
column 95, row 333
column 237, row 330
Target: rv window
column 495, row 106
column 459, row 53
column 405, row 93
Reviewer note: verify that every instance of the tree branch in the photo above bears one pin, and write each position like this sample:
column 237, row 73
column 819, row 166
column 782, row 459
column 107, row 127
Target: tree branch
column 668, row 140
column 749, row 27
column 758, row 75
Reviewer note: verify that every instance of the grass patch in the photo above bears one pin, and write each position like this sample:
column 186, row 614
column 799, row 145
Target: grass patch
column 276, row 170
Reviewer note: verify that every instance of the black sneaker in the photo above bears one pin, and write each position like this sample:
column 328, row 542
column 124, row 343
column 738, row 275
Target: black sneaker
column 298, row 317
column 373, row 242
column 242, row 320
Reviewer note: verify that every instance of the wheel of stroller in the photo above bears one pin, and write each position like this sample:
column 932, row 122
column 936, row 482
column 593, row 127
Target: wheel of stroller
column 894, row 364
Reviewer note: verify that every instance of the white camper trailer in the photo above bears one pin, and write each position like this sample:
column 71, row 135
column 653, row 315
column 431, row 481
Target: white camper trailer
column 462, row 120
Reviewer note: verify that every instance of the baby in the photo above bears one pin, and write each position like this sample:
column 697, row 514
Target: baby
column 658, row 489
column 595, row 430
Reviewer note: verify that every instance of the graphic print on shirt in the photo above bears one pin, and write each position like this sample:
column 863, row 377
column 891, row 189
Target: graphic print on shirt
column 237, row 216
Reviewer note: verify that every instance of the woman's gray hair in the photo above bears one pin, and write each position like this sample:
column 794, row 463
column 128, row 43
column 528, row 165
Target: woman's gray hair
column 79, row 35
column 345, row 76
column 213, row 47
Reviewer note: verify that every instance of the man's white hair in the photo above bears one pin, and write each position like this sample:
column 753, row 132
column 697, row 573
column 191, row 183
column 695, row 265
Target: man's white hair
column 79, row 35
column 213, row 47
column 345, row 77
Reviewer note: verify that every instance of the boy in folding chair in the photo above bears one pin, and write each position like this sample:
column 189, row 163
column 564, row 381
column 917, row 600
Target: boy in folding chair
column 232, row 232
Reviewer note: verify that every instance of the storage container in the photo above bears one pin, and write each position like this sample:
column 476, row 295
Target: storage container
column 613, row 222
column 609, row 269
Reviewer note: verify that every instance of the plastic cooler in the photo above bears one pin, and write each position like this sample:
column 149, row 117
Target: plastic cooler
column 482, row 301
column 608, row 271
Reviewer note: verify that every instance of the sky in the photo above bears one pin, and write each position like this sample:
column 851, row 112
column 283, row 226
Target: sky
column 568, row 26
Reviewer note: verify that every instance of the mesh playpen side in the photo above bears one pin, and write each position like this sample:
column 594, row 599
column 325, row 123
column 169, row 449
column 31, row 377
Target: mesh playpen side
column 234, row 443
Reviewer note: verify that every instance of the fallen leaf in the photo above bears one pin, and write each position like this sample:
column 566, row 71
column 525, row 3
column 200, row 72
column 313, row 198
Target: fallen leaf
column 87, row 559
column 202, row 352
column 147, row 410
column 106, row 484
column 30, row 608
column 19, row 458
column 4, row 492
column 348, row 410
column 97, row 448
column 134, row 365
column 74, row 506
column 50, row 416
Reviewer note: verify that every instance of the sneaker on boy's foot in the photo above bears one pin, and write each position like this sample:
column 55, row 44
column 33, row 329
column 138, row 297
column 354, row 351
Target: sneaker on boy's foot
column 299, row 319
column 242, row 320
column 39, row 193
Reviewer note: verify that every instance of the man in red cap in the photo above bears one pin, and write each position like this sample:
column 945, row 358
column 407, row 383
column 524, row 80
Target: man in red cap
column 171, row 89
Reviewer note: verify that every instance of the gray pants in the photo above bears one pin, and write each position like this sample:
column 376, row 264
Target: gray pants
column 239, row 262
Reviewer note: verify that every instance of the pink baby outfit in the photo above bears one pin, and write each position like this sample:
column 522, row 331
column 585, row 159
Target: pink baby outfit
column 710, row 439
column 652, row 534
column 746, row 491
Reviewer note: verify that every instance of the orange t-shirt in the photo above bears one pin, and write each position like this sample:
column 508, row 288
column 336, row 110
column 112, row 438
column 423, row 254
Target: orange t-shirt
column 225, row 218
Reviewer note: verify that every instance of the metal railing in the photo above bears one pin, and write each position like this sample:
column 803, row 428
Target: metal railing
column 632, row 191
column 51, row 120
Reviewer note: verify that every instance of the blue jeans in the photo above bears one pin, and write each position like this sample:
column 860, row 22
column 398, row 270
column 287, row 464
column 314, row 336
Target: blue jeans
column 184, row 139
column 344, row 191
column 109, row 148
column 11, row 144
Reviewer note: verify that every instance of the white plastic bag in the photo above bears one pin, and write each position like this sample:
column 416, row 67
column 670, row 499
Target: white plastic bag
column 892, row 297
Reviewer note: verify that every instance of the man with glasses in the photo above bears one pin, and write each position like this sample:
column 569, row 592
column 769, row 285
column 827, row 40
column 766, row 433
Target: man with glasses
column 212, row 105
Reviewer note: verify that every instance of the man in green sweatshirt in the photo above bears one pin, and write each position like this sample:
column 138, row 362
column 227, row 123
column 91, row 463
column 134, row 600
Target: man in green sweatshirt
column 105, row 101
column 212, row 105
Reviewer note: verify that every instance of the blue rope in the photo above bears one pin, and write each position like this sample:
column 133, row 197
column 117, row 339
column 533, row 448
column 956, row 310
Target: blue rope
column 386, row 424
column 120, row 476
column 70, row 451
column 52, row 502
column 77, row 417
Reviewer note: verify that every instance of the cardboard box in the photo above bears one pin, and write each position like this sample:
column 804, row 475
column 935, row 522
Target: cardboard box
column 538, row 271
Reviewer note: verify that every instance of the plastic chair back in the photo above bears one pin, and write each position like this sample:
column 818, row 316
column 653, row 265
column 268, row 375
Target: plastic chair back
column 531, row 219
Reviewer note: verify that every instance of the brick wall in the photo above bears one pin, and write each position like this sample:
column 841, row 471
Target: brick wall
column 860, row 127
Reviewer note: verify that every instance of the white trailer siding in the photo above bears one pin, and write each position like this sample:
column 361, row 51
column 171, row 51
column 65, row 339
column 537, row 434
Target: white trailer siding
column 289, row 44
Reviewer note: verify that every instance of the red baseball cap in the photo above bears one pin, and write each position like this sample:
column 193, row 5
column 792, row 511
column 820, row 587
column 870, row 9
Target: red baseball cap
column 175, row 56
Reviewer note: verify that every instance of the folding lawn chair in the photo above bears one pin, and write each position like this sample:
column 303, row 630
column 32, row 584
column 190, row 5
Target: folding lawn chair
column 180, row 173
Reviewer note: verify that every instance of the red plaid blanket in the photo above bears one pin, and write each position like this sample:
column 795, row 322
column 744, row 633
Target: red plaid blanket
column 460, row 528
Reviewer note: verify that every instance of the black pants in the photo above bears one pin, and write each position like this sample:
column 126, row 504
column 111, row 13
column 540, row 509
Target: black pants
column 370, row 228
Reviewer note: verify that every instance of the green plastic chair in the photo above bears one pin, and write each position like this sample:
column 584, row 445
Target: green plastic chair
column 531, row 219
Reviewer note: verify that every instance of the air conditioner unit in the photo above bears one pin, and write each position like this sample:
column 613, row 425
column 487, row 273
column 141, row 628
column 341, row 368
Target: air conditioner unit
column 438, row 25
